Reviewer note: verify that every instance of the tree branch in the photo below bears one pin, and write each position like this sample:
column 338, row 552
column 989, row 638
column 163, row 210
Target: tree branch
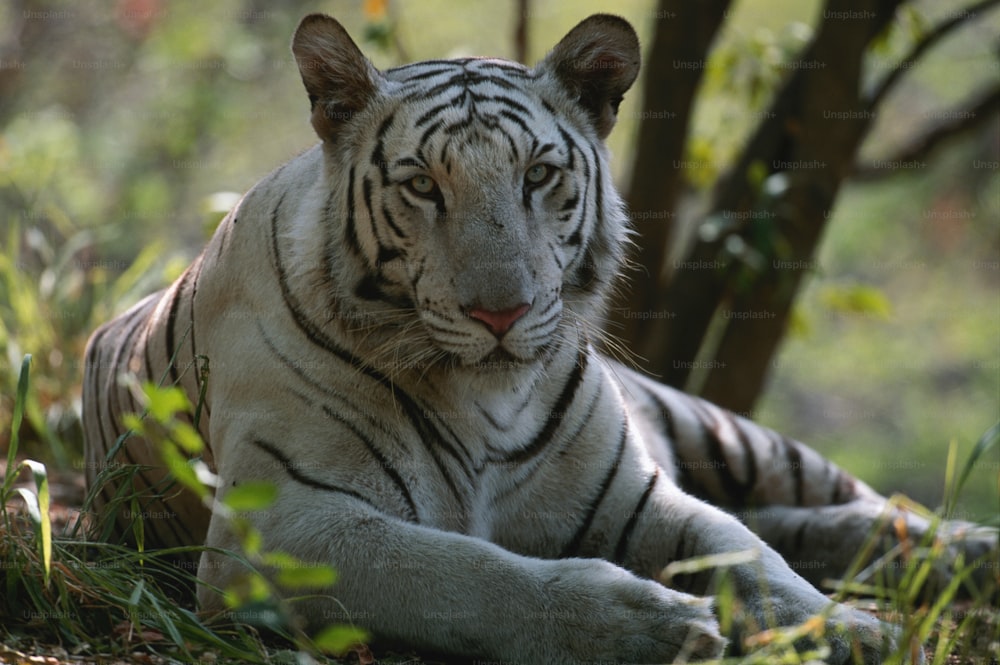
column 939, row 32
column 954, row 124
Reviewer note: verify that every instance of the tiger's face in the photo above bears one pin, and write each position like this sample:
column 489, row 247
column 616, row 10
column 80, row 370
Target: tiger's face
column 480, row 216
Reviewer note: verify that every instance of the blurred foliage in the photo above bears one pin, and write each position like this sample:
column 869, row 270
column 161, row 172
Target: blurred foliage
column 128, row 128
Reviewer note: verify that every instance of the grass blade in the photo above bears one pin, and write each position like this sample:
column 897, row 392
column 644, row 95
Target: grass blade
column 15, row 424
column 987, row 441
column 44, row 521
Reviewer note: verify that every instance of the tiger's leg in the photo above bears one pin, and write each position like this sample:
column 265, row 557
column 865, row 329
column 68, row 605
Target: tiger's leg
column 815, row 514
column 450, row 593
column 821, row 542
column 670, row 525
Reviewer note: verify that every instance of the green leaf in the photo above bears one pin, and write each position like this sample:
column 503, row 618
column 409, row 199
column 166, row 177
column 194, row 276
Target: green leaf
column 188, row 438
column 280, row 560
column 165, row 402
column 133, row 599
column 178, row 466
column 756, row 175
column 252, row 540
column 987, row 441
column 306, row 576
column 133, row 422
column 30, row 504
column 15, row 423
column 254, row 495
column 42, row 518
column 337, row 640
column 859, row 299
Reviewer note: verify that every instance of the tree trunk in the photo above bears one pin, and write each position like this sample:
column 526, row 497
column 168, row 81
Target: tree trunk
column 672, row 72
column 811, row 136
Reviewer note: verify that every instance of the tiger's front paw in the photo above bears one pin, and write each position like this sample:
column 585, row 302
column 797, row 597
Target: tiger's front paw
column 976, row 546
column 852, row 636
column 857, row 637
column 951, row 548
column 604, row 613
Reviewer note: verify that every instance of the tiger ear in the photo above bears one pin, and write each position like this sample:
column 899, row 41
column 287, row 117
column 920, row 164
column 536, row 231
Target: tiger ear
column 597, row 61
column 339, row 79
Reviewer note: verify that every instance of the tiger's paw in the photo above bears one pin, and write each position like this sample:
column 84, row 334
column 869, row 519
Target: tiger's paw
column 976, row 546
column 605, row 613
column 956, row 548
column 856, row 637
column 849, row 636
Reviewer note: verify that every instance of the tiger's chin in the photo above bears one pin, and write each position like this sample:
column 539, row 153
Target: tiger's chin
column 500, row 361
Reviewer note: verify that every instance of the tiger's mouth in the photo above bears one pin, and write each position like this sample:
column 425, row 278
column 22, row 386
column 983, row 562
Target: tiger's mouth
column 492, row 345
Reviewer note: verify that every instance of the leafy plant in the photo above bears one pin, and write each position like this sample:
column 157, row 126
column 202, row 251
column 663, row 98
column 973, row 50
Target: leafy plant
column 109, row 598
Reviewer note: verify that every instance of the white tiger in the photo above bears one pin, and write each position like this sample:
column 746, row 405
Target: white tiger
column 398, row 327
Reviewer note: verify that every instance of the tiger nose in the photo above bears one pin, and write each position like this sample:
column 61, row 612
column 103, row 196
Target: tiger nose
column 500, row 321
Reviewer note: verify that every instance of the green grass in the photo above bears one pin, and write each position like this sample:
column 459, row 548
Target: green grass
column 110, row 599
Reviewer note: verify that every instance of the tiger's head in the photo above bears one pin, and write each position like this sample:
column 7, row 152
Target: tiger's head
column 472, row 219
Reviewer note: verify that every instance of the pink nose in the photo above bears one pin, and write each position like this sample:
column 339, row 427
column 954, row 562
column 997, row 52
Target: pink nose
column 499, row 322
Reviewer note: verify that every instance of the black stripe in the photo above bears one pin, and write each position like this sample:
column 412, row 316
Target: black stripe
column 794, row 458
column 392, row 223
column 456, row 127
column 712, row 439
column 350, row 228
column 369, row 287
column 422, row 143
column 427, row 74
column 366, row 194
column 749, row 459
column 172, row 322
column 575, row 236
column 568, row 440
column 378, row 154
column 621, row 548
column 123, row 342
column 599, row 188
column 570, row 203
column 199, row 264
column 517, row 120
column 573, row 546
column 464, row 79
column 570, row 146
column 434, row 110
column 493, row 423
column 556, row 415
column 297, row 475
column 383, row 461
column 511, row 103
column 686, row 581
column 322, row 388
column 94, row 406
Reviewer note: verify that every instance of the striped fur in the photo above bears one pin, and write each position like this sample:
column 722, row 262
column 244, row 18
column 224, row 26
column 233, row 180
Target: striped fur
column 399, row 325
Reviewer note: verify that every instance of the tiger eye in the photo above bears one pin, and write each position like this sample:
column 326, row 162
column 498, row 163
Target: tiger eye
column 537, row 174
column 422, row 184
